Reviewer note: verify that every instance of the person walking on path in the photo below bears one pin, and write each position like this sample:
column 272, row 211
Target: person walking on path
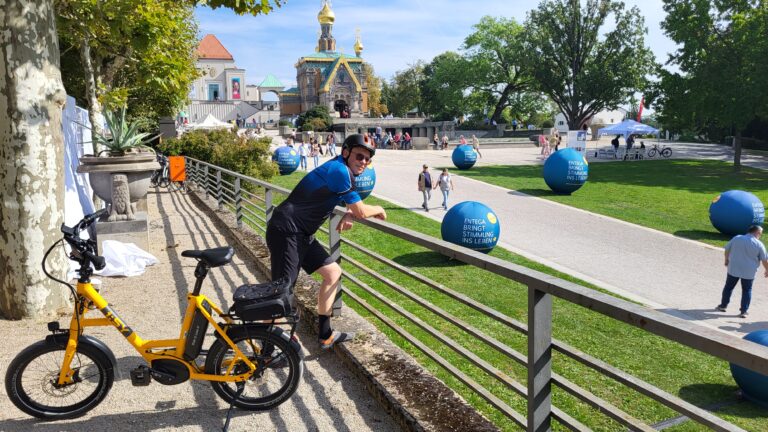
column 546, row 150
column 476, row 145
column 315, row 152
column 291, row 231
column 425, row 186
column 331, row 140
column 743, row 256
column 445, row 142
column 303, row 153
column 462, row 140
column 445, row 183
column 435, row 141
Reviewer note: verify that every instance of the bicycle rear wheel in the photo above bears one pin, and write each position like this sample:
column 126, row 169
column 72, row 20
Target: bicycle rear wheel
column 666, row 152
column 31, row 381
column 178, row 186
column 279, row 367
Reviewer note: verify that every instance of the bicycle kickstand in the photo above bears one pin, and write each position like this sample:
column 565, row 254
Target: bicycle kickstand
column 240, row 389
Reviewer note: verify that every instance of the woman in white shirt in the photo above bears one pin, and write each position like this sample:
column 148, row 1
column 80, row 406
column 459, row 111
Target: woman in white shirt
column 445, row 182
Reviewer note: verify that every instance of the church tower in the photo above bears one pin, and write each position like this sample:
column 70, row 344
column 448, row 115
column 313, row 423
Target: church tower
column 326, row 17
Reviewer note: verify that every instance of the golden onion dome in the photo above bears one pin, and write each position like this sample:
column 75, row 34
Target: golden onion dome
column 358, row 46
column 326, row 15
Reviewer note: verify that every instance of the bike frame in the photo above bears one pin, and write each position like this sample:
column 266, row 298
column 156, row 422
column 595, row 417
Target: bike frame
column 150, row 349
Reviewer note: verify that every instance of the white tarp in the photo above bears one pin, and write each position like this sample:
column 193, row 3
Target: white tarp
column 124, row 259
column 211, row 122
column 77, row 138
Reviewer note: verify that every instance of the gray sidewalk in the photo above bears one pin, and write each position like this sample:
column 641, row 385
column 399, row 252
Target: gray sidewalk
column 329, row 397
column 668, row 273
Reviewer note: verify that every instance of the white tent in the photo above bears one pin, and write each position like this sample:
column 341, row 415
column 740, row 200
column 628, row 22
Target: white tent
column 211, row 122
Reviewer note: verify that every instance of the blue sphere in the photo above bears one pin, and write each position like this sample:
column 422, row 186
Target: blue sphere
column 733, row 212
column 464, row 156
column 471, row 224
column 365, row 182
column 565, row 171
column 287, row 159
column 753, row 384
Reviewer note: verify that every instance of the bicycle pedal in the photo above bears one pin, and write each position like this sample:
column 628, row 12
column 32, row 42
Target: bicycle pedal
column 141, row 376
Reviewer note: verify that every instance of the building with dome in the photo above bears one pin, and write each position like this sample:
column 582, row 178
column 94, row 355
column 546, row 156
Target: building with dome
column 328, row 77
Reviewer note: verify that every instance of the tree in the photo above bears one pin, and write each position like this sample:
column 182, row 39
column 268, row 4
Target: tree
column 494, row 60
column 317, row 118
column 376, row 107
column 31, row 154
column 722, row 82
column 583, row 67
column 442, row 86
column 142, row 51
column 31, row 157
column 405, row 93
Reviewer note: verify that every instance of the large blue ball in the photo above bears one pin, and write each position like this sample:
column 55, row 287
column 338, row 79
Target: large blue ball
column 565, row 171
column 733, row 212
column 471, row 224
column 287, row 159
column 365, row 182
column 753, row 384
column 464, row 156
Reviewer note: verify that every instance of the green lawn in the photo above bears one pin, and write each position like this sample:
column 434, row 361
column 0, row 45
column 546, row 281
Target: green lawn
column 697, row 378
column 668, row 195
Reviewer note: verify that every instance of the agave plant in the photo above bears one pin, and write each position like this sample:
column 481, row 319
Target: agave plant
column 123, row 135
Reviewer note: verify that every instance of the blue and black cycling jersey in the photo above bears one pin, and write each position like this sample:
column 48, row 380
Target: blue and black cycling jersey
column 312, row 201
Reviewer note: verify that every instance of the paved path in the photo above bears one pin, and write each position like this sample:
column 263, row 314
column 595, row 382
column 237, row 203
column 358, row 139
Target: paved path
column 329, row 397
column 668, row 273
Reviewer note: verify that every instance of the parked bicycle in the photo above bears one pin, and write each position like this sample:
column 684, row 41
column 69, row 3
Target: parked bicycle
column 253, row 363
column 658, row 150
column 162, row 177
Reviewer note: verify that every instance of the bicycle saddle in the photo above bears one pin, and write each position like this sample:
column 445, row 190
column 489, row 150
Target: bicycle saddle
column 212, row 257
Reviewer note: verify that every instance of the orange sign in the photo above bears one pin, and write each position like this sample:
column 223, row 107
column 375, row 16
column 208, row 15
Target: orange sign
column 178, row 171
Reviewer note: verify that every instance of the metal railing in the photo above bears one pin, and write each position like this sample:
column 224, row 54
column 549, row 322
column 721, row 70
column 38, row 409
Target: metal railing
column 228, row 189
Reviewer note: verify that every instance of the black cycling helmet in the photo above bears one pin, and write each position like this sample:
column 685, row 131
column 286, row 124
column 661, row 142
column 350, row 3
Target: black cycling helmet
column 357, row 140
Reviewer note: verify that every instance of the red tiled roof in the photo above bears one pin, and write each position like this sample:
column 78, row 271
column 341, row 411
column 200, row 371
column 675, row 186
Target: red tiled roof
column 211, row 48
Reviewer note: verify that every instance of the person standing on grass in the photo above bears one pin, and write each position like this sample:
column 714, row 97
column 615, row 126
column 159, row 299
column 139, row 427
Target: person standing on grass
column 291, row 230
column 425, row 186
column 743, row 256
column 445, row 183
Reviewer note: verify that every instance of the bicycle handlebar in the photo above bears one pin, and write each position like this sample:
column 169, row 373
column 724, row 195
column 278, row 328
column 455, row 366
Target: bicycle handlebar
column 84, row 248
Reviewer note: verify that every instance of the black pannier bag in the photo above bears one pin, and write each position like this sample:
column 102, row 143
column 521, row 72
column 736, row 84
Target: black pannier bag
column 264, row 301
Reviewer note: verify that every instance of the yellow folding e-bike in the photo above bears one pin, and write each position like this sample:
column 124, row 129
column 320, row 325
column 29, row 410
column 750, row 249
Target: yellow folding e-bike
column 253, row 363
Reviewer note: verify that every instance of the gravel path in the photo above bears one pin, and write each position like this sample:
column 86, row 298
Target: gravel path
column 329, row 397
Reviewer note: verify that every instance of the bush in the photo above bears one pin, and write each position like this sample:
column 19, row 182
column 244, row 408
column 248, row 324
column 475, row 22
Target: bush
column 547, row 124
column 284, row 123
column 247, row 156
column 318, row 118
column 473, row 124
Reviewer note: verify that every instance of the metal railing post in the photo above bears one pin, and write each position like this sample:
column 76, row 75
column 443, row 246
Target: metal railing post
column 268, row 204
column 539, row 360
column 205, row 181
column 219, row 193
column 238, row 204
column 334, row 240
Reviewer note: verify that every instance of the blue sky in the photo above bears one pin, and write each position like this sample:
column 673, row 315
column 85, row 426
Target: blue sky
column 395, row 33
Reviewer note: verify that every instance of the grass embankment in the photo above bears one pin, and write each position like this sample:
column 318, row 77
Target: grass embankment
column 697, row 378
column 668, row 195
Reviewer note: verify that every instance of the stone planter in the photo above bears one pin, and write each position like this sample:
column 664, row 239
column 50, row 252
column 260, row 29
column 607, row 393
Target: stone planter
column 120, row 181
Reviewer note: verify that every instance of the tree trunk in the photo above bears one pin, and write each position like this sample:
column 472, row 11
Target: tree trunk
column 501, row 104
column 94, row 107
column 737, row 151
column 32, row 159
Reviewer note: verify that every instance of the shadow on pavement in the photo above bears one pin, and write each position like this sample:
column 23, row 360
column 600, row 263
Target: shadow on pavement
column 701, row 235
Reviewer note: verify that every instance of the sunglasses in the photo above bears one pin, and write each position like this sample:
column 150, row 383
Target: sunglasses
column 361, row 157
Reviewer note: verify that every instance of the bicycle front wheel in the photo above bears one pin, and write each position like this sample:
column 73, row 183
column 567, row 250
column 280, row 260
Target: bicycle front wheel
column 652, row 153
column 278, row 372
column 666, row 152
column 31, row 381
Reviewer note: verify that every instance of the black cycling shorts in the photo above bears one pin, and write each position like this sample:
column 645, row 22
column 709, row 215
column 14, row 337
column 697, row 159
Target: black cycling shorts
column 290, row 252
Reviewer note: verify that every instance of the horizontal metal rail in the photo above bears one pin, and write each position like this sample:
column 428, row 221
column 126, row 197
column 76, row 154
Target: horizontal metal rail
column 541, row 287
